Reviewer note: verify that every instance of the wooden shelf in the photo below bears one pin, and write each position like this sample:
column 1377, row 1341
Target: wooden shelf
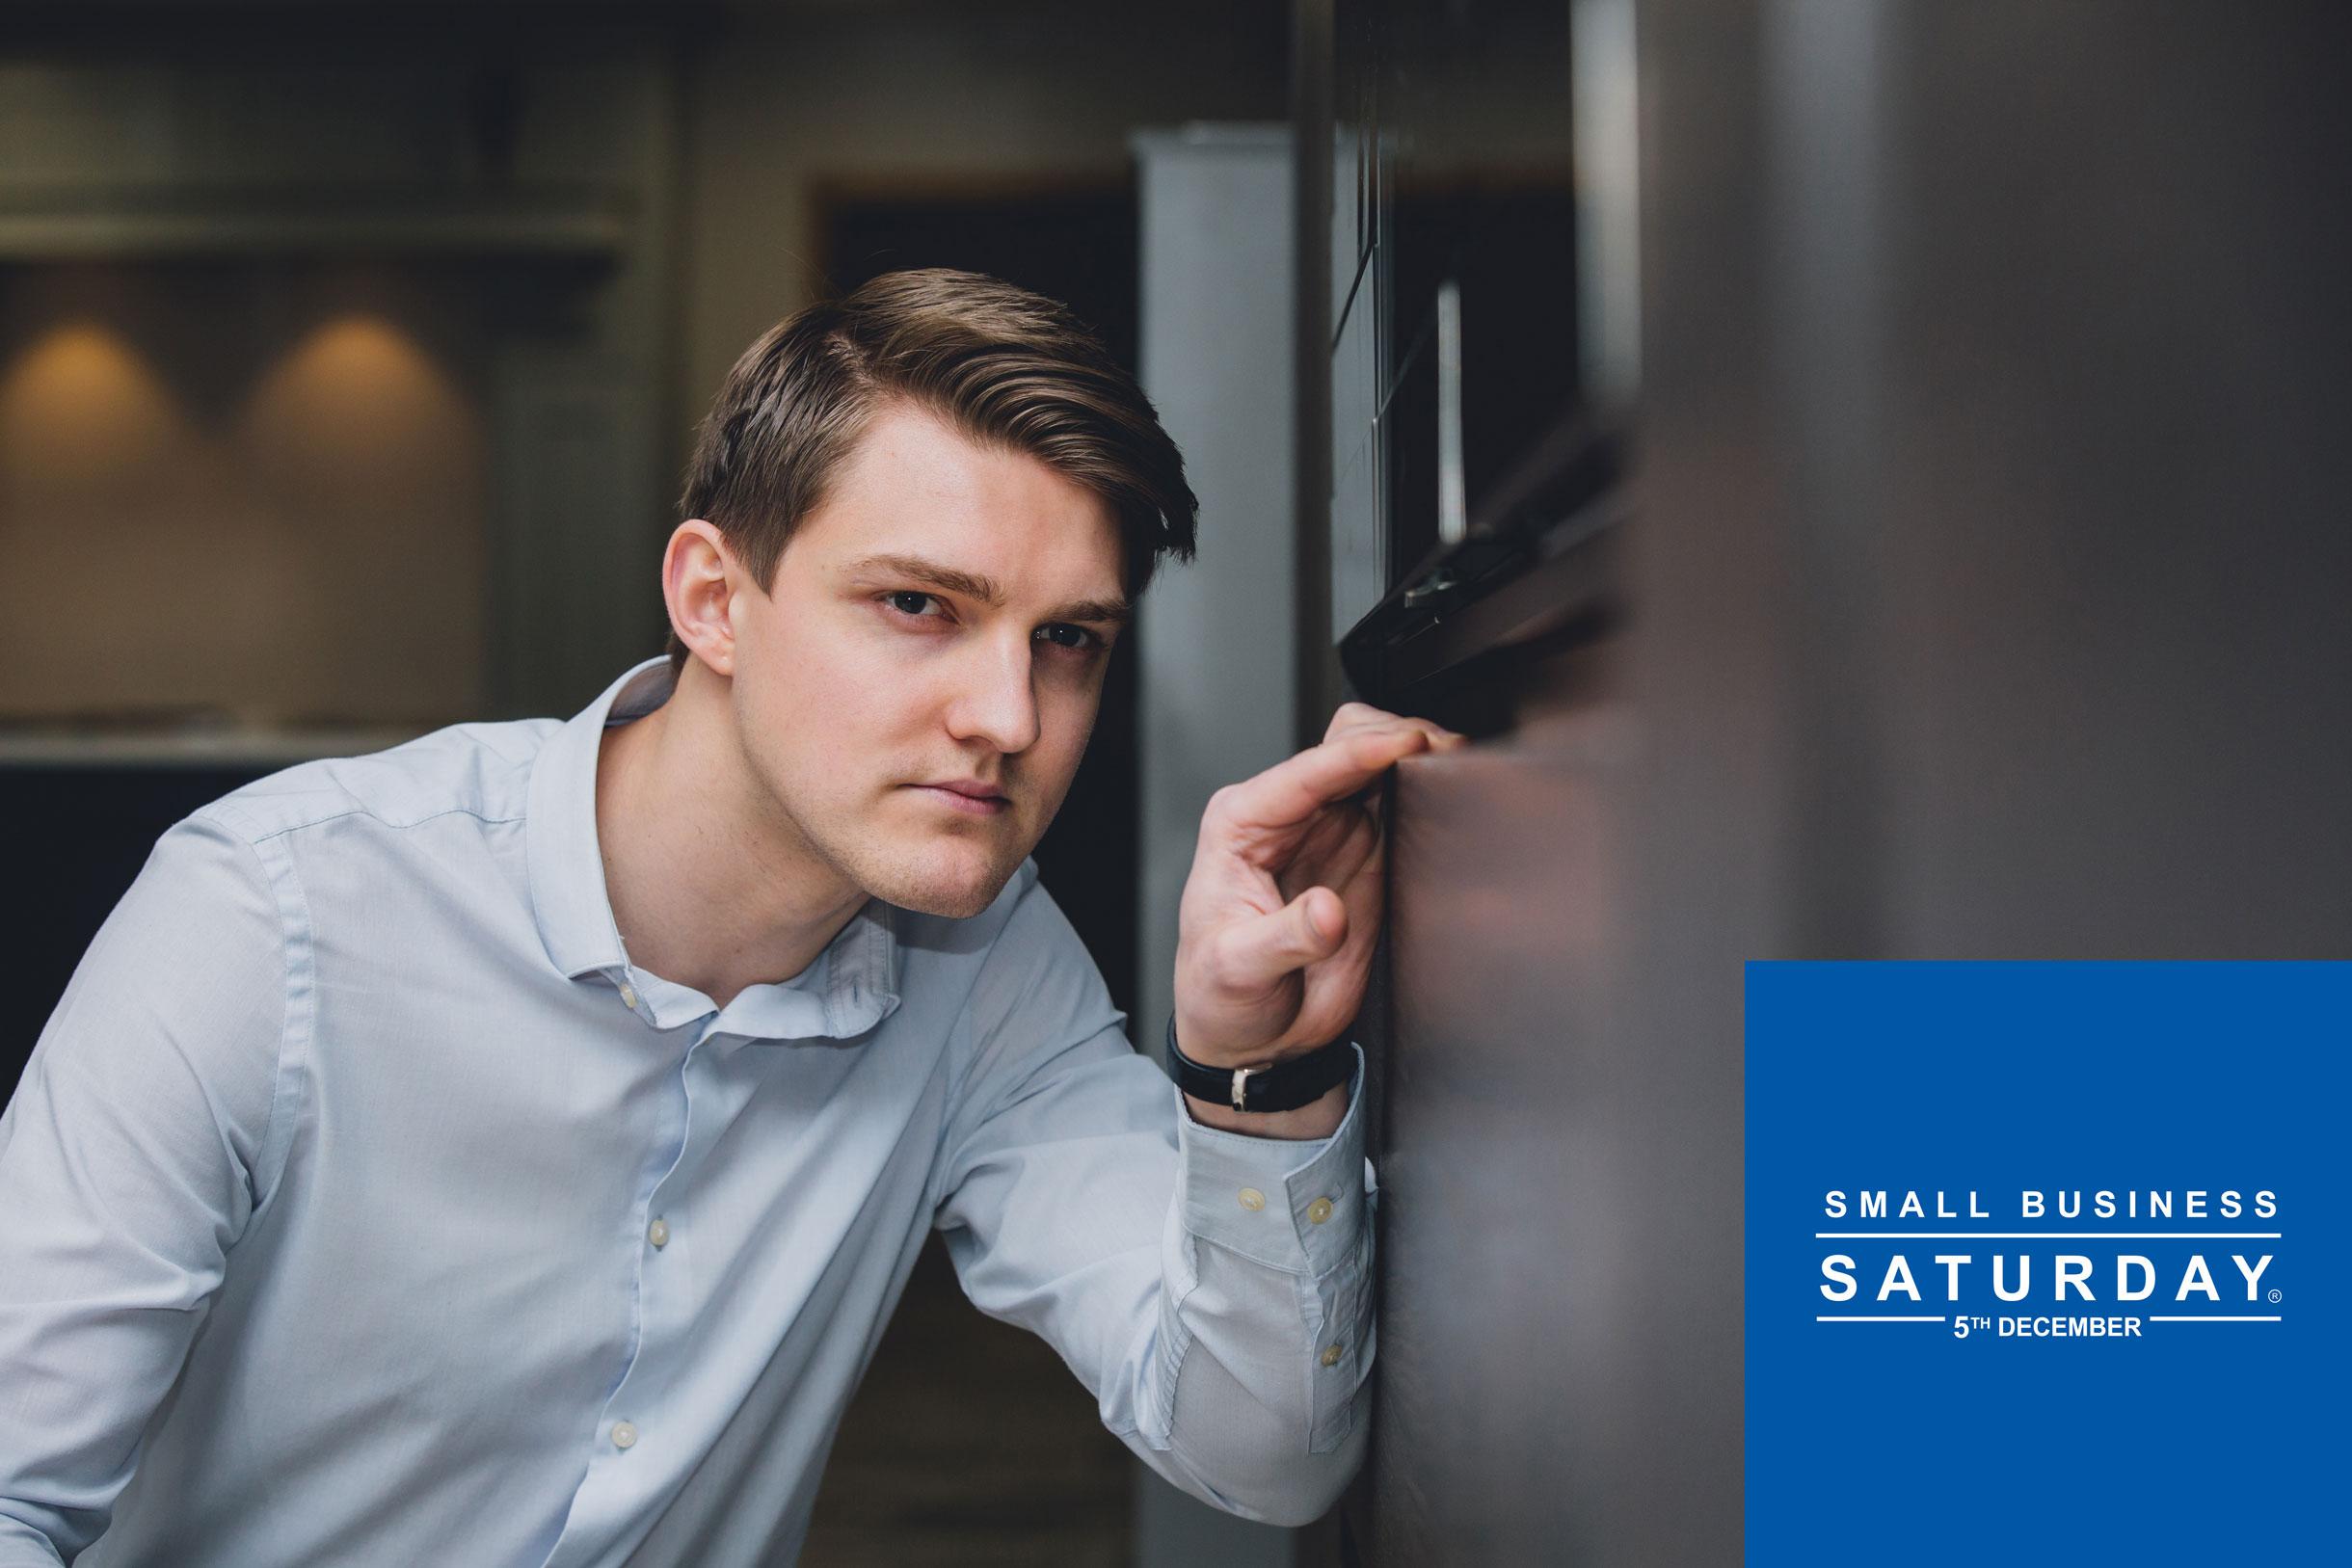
column 191, row 749
column 568, row 224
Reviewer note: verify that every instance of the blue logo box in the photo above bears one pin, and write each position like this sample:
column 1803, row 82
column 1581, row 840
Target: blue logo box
column 2045, row 1263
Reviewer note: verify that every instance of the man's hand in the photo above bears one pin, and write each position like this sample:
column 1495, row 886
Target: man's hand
column 1283, row 904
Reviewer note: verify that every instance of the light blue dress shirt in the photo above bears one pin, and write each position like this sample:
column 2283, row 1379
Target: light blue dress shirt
column 362, row 1203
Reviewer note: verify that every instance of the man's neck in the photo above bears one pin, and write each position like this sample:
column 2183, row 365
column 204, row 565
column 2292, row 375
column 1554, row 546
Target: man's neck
column 709, row 886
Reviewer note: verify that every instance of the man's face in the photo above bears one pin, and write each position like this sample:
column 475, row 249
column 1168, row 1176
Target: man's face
column 944, row 618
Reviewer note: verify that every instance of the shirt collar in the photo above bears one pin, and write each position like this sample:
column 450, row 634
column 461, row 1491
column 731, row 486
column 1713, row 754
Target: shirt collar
column 852, row 985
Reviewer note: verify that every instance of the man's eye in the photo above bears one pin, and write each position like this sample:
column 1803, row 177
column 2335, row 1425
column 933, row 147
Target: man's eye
column 907, row 602
column 1076, row 639
column 916, row 605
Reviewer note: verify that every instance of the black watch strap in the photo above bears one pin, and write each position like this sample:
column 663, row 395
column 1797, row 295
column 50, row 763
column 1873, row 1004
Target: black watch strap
column 1283, row 1085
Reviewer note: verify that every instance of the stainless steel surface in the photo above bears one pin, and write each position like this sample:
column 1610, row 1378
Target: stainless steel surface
column 1987, row 587
column 1536, row 1283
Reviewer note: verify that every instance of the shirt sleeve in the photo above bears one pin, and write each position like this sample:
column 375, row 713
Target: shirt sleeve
column 1212, row 1289
column 131, row 1159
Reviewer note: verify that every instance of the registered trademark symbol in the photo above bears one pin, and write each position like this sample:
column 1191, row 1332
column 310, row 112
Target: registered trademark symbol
column 2274, row 1295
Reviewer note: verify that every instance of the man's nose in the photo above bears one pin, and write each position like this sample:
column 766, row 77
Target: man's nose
column 995, row 700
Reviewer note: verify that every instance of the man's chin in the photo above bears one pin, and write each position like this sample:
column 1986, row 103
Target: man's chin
column 953, row 907
column 956, row 893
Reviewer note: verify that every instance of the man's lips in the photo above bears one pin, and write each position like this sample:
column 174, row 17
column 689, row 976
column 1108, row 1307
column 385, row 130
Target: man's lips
column 967, row 795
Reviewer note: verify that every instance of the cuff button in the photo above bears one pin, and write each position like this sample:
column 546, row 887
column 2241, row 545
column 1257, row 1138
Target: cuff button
column 1319, row 1210
column 1252, row 1199
column 1330, row 1355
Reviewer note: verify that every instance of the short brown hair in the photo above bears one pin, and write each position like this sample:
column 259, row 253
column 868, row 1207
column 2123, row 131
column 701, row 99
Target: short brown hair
column 1006, row 368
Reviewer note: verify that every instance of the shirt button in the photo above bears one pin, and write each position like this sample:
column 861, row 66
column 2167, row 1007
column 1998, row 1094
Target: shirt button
column 658, row 1233
column 1319, row 1210
column 628, row 996
column 624, row 1435
column 1330, row 1357
column 1252, row 1199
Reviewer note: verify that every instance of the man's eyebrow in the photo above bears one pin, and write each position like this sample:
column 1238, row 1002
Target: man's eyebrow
column 976, row 586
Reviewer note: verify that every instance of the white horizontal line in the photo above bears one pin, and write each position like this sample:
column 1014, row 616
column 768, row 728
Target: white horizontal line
column 1878, row 1317
column 2208, row 1317
column 2046, row 1236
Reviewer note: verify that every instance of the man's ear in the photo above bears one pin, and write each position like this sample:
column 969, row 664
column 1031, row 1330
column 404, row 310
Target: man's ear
column 699, row 575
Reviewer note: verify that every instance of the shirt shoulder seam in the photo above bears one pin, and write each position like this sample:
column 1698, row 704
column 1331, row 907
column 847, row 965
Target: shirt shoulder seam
column 259, row 834
column 278, row 872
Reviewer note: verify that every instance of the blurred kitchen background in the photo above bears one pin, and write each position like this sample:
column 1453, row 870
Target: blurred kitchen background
column 1872, row 475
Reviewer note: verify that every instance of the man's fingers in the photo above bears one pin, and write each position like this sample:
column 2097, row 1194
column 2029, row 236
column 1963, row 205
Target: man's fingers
column 1292, row 790
column 1355, row 716
column 1332, row 847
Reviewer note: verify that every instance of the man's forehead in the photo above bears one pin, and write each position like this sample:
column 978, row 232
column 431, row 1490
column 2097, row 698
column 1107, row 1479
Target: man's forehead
column 917, row 495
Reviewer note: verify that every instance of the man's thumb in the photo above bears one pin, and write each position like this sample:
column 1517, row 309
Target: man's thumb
column 1260, row 950
column 1322, row 922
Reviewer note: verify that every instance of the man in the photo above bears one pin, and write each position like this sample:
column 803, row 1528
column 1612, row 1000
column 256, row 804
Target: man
column 507, row 1148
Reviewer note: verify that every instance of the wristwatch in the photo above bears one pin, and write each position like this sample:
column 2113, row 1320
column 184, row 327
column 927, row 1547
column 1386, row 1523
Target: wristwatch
column 1283, row 1085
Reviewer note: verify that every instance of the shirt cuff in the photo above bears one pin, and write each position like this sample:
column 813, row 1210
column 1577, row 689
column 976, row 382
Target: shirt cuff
column 1292, row 1203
